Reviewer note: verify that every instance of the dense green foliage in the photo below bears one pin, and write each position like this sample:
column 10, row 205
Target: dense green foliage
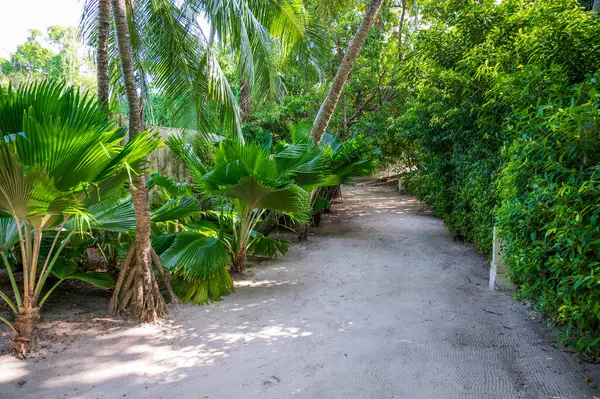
column 549, row 208
column 233, row 193
column 503, row 110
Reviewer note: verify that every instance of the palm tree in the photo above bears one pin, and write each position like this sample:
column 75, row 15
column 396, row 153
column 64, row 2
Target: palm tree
column 171, row 53
column 58, row 154
column 320, row 170
column 328, row 107
column 102, row 77
column 247, row 180
column 136, row 288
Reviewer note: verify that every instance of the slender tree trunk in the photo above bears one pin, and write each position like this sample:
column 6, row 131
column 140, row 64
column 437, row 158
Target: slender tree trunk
column 340, row 55
column 596, row 5
column 102, row 52
column 302, row 232
column 244, row 99
column 140, row 292
column 328, row 107
column 400, row 30
column 126, row 57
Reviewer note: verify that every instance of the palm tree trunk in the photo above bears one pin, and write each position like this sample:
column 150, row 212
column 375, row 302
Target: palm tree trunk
column 328, row 107
column 126, row 58
column 140, row 293
column 244, row 99
column 102, row 52
column 400, row 29
column 25, row 324
column 240, row 261
column 340, row 56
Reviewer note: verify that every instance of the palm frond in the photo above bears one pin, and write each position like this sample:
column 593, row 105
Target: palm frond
column 176, row 209
column 253, row 193
column 114, row 215
column 172, row 186
column 201, row 292
column 61, row 143
column 9, row 235
column 267, row 246
column 188, row 156
column 303, row 163
column 198, row 264
column 98, row 279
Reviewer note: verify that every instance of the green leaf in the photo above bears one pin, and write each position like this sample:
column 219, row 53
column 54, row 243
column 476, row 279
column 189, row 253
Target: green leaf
column 290, row 199
column 194, row 256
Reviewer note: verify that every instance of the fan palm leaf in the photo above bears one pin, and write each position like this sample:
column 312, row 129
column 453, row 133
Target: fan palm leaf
column 198, row 263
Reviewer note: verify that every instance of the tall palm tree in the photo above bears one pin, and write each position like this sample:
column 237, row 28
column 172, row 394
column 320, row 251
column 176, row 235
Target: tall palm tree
column 102, row 76
column 172, row 54
column 328, row 107
column 143, row 297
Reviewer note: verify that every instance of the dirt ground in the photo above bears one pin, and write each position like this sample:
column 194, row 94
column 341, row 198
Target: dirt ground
column 382, row 302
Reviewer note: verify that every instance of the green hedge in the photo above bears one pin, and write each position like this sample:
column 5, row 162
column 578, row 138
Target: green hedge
column 549, row 210
column 502, row 105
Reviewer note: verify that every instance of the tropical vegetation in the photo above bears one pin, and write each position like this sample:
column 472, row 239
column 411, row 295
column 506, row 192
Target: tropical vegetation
column 488, row 109
column 500, row 105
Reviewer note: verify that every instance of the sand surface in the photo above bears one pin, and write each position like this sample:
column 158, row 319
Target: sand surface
column 381, row 302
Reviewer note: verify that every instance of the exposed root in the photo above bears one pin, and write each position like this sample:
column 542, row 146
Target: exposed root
column 140, row 293
column 165, row 277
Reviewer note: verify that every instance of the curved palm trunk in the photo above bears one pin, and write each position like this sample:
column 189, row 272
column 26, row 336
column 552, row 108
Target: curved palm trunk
column 328, row 107
column 140, row 292
column 102, row 51
column 344, row 123
column 244, row 99
column 401, row 28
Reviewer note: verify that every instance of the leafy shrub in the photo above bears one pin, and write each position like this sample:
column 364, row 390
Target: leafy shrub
column 503, row 111
column 550, row 192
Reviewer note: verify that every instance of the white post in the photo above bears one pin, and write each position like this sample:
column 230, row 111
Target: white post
column 401, row 187
column 498, row 268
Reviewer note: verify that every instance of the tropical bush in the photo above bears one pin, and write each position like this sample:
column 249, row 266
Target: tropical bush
column 244, row 181
column 58, row 155
column 549, row 210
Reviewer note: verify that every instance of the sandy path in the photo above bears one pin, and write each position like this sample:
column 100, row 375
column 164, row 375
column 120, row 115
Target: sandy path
column 382, row 303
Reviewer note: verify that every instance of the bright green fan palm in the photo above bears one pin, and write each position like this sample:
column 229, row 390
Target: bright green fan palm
column 250, row 177
column 248, row 180
column 57, row 149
